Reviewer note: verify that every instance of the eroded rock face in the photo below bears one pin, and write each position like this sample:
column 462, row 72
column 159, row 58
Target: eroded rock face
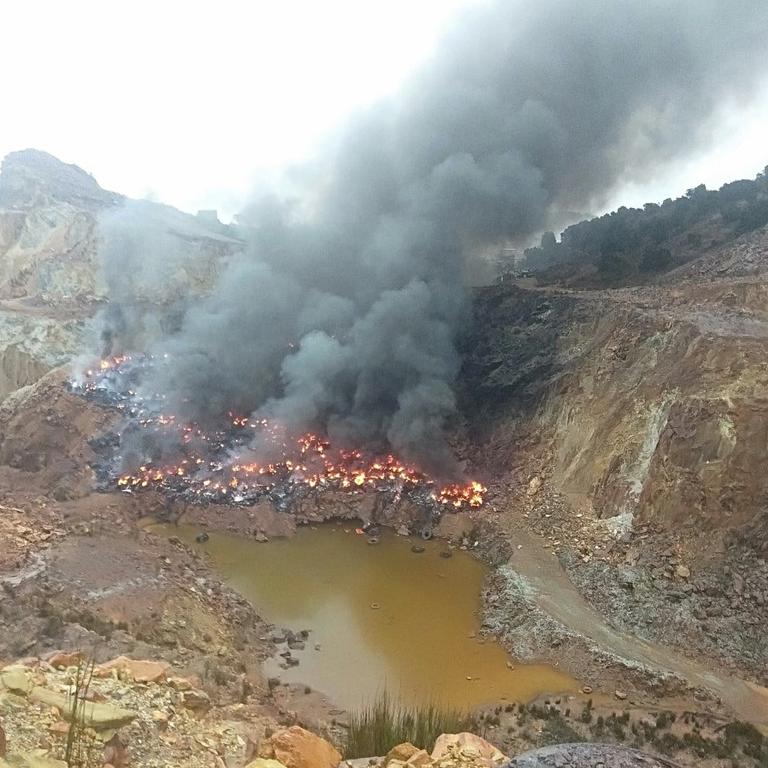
column 54, row 221
column 646, row 402
column 45, row 430
column 31, row 345
column 31, row 177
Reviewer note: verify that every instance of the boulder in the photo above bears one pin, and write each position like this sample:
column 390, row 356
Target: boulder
column 180, row 683
column 683, row 572
column 64, row 659
column 419, row 759
column 16, row 679
column 533, row 486
column 401, row 752
column 136, row 670
column 197, row 701
column 95, row 714
column 298, row 748
column 468, row 745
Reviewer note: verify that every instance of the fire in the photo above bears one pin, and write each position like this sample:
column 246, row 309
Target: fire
column 215, row 465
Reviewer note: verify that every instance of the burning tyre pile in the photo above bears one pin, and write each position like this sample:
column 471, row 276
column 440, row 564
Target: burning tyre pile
column 245, row 460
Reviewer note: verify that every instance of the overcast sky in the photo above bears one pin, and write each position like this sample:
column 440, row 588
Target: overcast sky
column 194, row 103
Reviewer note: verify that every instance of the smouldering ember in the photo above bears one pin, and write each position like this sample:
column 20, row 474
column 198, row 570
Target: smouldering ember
column 221, row 465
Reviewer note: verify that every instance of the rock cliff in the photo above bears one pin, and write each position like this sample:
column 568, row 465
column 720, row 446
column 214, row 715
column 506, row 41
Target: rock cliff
column 52, row 277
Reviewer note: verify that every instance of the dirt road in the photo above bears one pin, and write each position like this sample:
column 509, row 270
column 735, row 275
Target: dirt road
column 558, row 598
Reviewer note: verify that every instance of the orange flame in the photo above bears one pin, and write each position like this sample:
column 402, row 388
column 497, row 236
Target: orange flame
column 308, row 459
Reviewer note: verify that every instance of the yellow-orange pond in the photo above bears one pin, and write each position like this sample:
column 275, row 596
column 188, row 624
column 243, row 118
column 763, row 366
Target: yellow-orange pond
column 380, row 616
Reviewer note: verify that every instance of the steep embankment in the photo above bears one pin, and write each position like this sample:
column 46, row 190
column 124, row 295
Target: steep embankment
column 646, row 402
column 641, row 414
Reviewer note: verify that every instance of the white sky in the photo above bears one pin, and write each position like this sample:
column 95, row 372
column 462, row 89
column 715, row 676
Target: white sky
column 191, row 102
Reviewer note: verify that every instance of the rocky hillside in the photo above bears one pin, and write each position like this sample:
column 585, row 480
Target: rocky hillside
column 52, row 277
column 635, row 245
column 646, row 403
column 637, row 420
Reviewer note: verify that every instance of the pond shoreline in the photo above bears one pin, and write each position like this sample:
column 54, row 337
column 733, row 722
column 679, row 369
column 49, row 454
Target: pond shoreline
column 521, row 626
column 333, row 576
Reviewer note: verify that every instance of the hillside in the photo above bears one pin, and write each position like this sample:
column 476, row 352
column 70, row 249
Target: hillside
column 52, row 220
column 643, row 411
column 633, row 245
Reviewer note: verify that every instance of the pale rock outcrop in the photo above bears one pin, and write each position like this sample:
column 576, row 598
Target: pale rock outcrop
column 95, row 715
column 468, row 747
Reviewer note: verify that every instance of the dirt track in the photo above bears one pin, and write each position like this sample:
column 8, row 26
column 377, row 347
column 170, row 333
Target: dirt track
column 558, row 598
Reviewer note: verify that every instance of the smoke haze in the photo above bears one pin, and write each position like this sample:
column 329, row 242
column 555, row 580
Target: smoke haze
column 341, row 314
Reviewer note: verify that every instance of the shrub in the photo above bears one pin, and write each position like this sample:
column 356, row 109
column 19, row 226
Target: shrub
column 384, row 723
column 557, row 731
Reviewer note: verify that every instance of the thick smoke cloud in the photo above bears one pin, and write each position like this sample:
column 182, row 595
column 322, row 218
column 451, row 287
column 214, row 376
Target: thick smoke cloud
column 139, row 252
column 342, row 313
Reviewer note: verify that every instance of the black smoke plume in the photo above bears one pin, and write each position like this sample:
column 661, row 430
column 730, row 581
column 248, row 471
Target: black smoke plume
column 341, row 314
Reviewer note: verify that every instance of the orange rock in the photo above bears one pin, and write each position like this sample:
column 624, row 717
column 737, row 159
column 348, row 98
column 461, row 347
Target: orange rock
column 64, row 659
column 401, row 752
column 419, row 759
column 298, row 748
column 139, row 671
column 59, row 727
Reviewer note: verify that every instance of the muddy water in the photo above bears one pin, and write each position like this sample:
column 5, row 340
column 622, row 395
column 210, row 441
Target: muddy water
column 381, row 616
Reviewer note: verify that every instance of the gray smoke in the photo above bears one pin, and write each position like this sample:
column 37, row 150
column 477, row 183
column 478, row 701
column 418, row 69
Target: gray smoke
column 343, row 312
column 139, row 251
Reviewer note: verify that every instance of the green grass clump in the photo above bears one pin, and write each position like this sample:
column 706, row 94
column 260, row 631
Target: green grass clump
column 386, row 722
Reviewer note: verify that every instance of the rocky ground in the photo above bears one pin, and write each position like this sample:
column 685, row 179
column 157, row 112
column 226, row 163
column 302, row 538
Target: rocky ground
column 135, row 712
column 622, row 437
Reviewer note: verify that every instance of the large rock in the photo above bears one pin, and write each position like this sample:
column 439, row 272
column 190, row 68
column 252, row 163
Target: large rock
column 65, row 659
column 588, row 756
column 401, row 752
column 196, row 701
column 467, row 746
column 298, row 748
column 35, row 759
column 137, row 670
column 96, row 715
column 16, row 679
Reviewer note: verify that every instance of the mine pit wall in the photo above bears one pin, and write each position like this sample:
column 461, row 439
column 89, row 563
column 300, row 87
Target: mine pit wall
column 18, row 369
column 49, row 253
column 632, row 410
column 31, row 346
